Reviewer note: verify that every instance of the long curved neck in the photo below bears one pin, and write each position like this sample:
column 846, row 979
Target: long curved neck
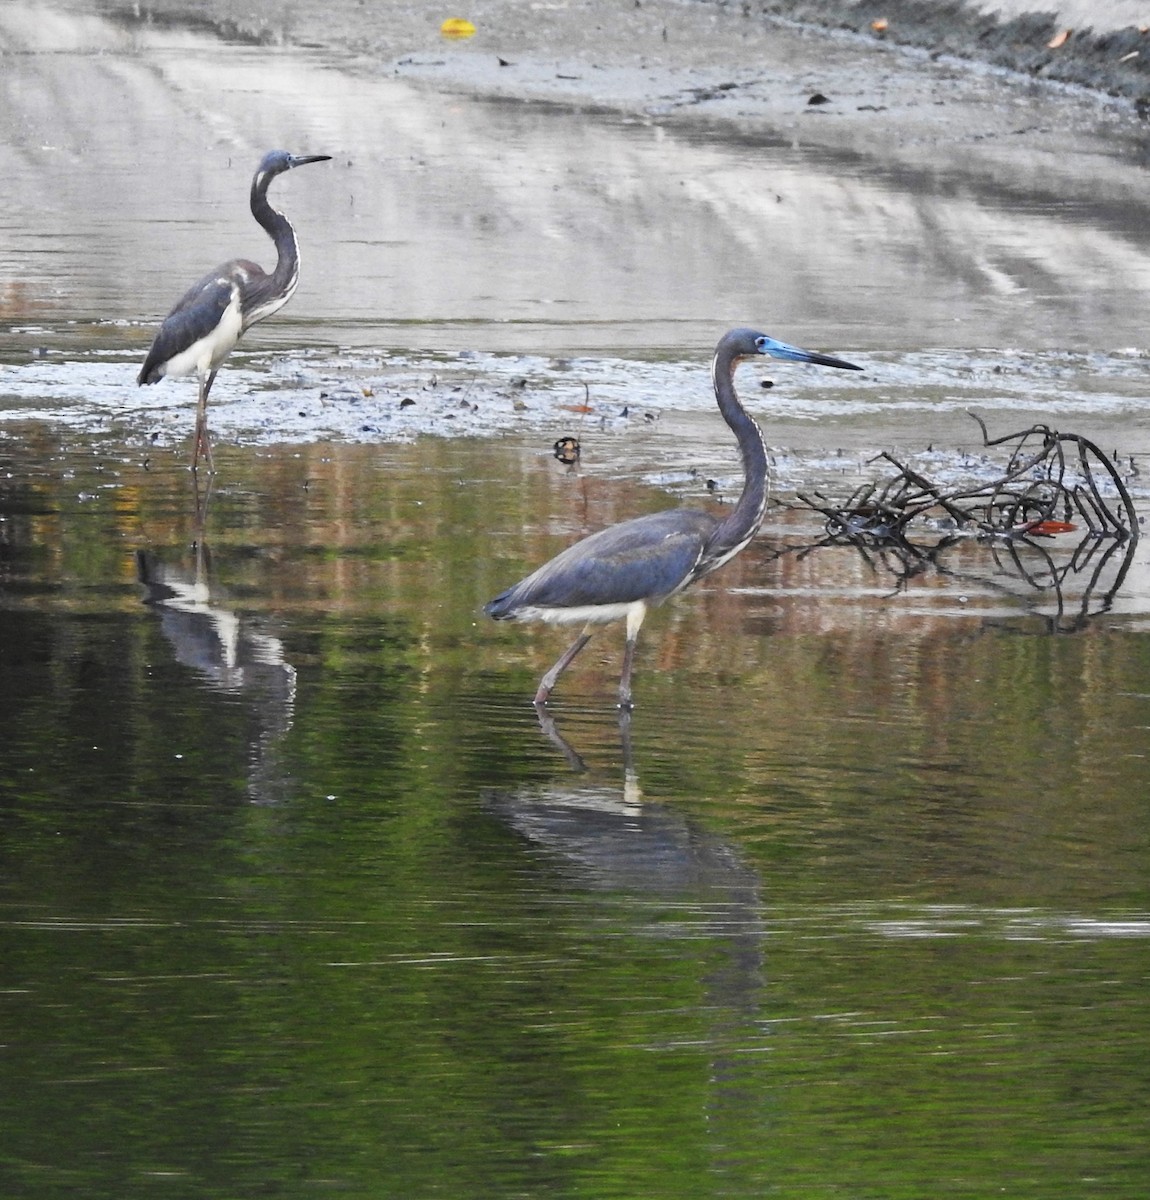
column 741, row 524
column 282, row 281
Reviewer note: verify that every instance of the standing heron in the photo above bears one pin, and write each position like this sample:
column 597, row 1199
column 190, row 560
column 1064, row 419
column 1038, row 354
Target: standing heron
column 622, row 571
column 203, row 328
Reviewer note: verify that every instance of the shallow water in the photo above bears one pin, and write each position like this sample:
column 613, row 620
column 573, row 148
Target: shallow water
column 296, row 894
column 447, row 223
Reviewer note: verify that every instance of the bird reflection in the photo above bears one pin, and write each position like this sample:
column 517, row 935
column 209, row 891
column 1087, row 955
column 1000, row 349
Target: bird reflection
column 229, row 654
column 619, row 841
column 693, row 888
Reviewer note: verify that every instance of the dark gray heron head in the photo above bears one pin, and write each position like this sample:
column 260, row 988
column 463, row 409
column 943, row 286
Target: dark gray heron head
column 276, row 162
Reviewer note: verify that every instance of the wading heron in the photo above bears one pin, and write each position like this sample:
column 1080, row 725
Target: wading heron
column 624, row 570
column 203, row 328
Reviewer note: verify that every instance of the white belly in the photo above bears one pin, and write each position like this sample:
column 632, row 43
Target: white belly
column 202, row 357
column 594, row 614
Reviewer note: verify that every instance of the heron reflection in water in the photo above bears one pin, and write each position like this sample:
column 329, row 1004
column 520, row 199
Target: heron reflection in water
column 648, row 872
column 621, row 572
column 230, row 655
column 212, row 316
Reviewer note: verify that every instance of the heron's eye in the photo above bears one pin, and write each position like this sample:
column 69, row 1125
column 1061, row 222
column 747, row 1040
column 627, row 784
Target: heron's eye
column 760, row 344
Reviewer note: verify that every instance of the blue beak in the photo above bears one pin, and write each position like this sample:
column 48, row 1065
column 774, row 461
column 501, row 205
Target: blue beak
column 789, row 353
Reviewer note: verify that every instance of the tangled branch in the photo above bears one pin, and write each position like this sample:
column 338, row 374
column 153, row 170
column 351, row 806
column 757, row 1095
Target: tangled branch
column 1051, row 483
column 1053, row 487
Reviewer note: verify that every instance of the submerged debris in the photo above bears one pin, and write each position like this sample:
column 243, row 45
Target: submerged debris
column 1051, row 483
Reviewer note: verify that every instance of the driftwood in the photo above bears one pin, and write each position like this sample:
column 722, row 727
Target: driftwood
column 1052, row 487
column 1052, row 483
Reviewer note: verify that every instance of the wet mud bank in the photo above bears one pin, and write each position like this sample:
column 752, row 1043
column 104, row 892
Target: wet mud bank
column 1102, row 46
column 562, row 213
column 920, row 84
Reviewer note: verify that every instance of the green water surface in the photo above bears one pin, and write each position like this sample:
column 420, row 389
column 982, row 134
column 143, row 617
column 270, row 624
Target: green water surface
column 857, row 907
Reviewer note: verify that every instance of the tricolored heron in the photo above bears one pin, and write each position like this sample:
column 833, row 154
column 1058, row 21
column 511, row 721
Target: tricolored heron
column 624, row 570
column 203, row 328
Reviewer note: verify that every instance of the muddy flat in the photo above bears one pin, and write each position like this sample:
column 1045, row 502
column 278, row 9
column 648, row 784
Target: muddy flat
column 547, row 225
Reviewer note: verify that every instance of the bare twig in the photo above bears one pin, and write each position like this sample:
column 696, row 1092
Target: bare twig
column 1064, row 477
column 1052, row 483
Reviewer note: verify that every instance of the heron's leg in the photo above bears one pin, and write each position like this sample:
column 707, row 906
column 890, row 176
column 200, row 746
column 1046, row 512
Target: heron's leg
column 549, row 680
column 203, row 443
column 203, row 493
column 552, row 734
column 635, row 617
column 632, row 792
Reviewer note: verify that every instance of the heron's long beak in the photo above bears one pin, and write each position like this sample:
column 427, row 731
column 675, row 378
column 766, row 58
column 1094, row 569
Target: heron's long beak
column 301, row 160
column 790, row 353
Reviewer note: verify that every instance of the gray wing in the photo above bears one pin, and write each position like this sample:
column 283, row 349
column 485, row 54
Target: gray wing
column 195, row 315
column 647, row 558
